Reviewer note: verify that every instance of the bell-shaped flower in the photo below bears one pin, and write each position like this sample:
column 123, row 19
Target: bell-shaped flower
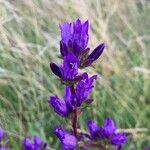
column 74, row 38
column 93, row 129
column 107, row 132
column 67, row 141
column 83, row 89
column 34, row 144
column 68, row 70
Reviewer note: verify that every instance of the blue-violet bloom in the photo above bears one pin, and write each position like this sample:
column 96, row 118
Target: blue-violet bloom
column 83, row 89
column 72, row 101
column 68, row 70
column 74, row 38
column 62, row 107
column 34, row 144
column 67, row 141
column 107, row 132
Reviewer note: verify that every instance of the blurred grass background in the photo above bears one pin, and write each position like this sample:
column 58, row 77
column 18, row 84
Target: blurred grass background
column 29, row 40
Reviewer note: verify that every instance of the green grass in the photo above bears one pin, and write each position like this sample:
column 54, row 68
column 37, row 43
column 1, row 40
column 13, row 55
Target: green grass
column 29, row 40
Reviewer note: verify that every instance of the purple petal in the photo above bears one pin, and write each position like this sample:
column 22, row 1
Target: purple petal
column 66, row 34
column 85, row 27
column 93, row 129
column 69, row 142
column 119, row 139
column 55, row 69
column 58, row 106
column 68, row 98
column 69, row 69
column 77, row 26
column 37, row 141
column 59, row 132
column 94, row 55
column 84, row 87
column 108, row 128
column 63, row 49
column 27, row 144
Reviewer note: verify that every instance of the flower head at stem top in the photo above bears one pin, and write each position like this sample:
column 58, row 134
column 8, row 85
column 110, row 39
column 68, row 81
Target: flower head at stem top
column 74, row 38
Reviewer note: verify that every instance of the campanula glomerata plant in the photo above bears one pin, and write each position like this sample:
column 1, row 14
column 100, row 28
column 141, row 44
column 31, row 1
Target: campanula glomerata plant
column 77, row 88
column 76, row 55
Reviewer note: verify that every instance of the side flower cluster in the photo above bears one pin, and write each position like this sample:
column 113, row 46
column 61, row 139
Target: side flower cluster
column 34, row 144
column 78, row 86
column 107, row 133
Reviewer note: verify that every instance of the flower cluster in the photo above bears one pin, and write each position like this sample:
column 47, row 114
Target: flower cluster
column 107, row 132
column 78, row 86
column 73, row 100
column 35, row 144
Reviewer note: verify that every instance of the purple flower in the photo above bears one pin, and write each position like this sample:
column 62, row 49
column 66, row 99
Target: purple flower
column 146, row 148
column 71, row 102
column 94, row 55
column 108, row 128
column 118, row 139
column 62, row 107
column 2, row 148
column 93, row 129
column 35, row 144
column 68, row 141
column 68, row 70
column 74, row 38
column 107, row 132
column 1, row 133
column 83, row 89
column 59, row 106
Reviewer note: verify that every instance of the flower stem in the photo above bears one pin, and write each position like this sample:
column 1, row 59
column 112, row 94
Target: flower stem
column 99, row 146
column 74, row 115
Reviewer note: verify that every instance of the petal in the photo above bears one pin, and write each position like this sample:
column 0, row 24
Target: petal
column 58, row 106
column 85, row 27
column 94, row 55
column 27, row 144
column 68, row 98
column 77, row 26
column 63, row 49
column 69, row 142
column 97, row 52
column 119, row 139
column 84, row 87
column 69, row 69
column 59, row 132
column 108, row 128
column 65, row 29
column 37, row 141
column 55, row 69
column 93, row 129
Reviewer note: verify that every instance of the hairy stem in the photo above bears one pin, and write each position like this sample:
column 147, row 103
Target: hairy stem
column 74, row 115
